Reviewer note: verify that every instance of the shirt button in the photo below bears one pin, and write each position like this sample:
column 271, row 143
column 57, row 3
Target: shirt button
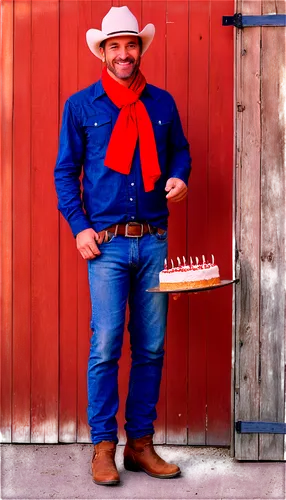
column 95, row 124
column 132, row 217
column 159, row 122
column 131, row 199
column 132, row 183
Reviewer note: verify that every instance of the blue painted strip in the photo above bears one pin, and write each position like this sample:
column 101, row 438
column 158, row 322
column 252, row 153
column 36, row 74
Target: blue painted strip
column 267, row 20
column 249, row 427
column 240, row 21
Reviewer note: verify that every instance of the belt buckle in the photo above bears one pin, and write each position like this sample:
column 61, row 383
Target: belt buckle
column 133, row 224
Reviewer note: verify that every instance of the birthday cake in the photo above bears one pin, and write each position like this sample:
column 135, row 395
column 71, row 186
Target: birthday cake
column 185, row 276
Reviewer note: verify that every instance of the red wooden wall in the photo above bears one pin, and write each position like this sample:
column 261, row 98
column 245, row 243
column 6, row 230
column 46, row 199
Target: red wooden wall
column 45, row 301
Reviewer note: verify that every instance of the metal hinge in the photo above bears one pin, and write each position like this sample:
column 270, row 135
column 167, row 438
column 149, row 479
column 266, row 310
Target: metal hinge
column 250, row 427
column 239, row 21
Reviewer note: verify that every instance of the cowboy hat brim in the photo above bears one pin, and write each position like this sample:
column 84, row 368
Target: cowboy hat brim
column 95, row 37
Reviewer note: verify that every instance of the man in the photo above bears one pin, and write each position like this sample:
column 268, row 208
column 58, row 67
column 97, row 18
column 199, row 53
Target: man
column 128, row 138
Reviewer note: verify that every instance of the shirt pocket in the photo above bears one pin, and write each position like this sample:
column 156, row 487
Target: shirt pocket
column 98, row 132
column 161, row 127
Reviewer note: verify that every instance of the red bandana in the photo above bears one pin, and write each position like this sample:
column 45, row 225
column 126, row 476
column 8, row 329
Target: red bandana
column 133, row 120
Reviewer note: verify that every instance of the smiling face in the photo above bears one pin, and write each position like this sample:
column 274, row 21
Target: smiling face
column 122, row 56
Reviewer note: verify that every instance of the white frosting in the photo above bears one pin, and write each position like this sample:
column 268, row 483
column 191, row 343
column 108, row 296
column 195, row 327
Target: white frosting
column 186, row 273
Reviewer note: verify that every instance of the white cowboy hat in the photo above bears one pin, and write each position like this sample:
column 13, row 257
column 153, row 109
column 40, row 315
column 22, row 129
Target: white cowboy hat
column 119, row 21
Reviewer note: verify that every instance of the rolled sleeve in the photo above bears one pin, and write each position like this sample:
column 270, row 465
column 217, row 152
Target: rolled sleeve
column 68, row 170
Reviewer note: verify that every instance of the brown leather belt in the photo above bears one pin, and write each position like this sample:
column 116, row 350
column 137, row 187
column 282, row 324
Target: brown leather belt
column 133, row 229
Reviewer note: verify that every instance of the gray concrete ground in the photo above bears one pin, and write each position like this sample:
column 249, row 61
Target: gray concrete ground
column 63, row 472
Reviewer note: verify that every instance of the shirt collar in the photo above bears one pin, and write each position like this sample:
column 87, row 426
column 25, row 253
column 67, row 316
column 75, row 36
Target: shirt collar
column 149, row 91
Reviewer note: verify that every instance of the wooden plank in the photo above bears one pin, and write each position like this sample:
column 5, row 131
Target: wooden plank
column 177, row 352
column 272, row 310
column 154, row 67
column 83, row 328
column 198, row 120
column 6, row 146
column 68, row 253
column 220, row 206
column 45, row 44
column 88, row 64
column 246, row 381
column 154, row 70
column 86, row 76
column 22, row 224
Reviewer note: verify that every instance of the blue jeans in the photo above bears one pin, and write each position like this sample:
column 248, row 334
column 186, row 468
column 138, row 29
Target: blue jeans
column 123, row 271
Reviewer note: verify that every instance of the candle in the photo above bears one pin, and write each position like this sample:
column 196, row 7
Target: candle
column 212, row 259
column 172, row 263
column 179, row 262
column 165, row 264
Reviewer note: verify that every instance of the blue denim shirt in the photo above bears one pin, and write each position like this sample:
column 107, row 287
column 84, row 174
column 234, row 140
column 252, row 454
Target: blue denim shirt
column 110, row 197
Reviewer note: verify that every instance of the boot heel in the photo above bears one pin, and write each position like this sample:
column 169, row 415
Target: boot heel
column 129, row 464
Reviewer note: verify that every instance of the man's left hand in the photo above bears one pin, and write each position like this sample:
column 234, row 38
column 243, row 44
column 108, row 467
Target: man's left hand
column 177, row 189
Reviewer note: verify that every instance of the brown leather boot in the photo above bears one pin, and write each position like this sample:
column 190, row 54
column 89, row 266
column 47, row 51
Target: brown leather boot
column 103, row 464
column 139, row 454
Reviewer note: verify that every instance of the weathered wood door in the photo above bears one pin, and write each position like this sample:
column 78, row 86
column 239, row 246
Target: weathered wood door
column 45, row 299
column 259, row 379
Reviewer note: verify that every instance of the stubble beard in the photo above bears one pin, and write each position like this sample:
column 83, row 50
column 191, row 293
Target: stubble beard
column 123, row 76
